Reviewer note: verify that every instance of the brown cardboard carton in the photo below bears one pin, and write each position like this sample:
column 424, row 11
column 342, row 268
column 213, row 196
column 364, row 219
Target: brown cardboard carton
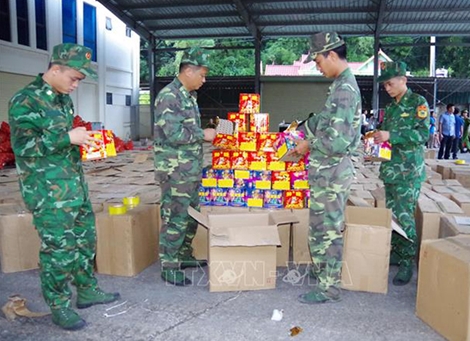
column 242, row 248
column 463, row 200
column 19, row 240
column 199, row 244
column 444, row 286
column 366, row 250
column 453, row 225
column 379, row 196
column 300, row 248
column 462, row 175
column 128, row 243
column 428, row 217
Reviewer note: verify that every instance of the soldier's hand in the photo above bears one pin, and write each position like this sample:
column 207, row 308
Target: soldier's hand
column 381, row 136
column 80, row 136
column 301, row 148
column 209, row 134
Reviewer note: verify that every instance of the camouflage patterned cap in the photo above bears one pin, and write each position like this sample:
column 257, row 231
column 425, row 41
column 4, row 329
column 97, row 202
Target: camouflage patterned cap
column 75, row 56
column 323, row 42
column 195, row 56
column 388, row 70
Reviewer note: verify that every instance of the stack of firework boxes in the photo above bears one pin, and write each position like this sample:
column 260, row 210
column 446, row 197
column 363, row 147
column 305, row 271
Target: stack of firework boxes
column 247, row 168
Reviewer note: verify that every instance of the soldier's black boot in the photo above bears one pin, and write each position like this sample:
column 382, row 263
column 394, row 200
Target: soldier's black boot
column 67, row 319
column 404, row 274
column 191, row 262
column 175, row 277
column 91, row 296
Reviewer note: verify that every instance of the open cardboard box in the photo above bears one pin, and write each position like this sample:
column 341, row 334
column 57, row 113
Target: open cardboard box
column 242, row 248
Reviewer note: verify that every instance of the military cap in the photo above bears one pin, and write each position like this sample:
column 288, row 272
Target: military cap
column 388, row 70
column 464, row 110
column 195, row 56
column 75, row 56
column 323, row 42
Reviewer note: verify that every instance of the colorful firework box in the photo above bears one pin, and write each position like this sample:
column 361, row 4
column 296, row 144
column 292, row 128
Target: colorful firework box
column 247, row 141
column 225, row 178
column 294, row 199
column 299, row 180
column 205, row 196
column 286, row 142
column 259, row 123
column 236, row 197
column 225, row 142
column 240, row 160
column 273, row 199
column 266, row 142
column 102, row 149
column 258, row 160
column 376, row 152
column 249, row 103
column 280, row 180
column 240, row 121
column 254, row 197
column 221, row 159
column 209, row 177
column 261, row 179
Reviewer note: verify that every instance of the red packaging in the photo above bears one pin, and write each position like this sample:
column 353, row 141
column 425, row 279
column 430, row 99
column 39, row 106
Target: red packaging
column 225, row 142
column 240, row 160
column 259, row 123
column 249, row 103
column 266, row 142
column 240, row 120
column 295, row 166
column 294, row 199
column 108, row 136
column 96, row 151
column 280, row 180
column 247, row 141
column 258, row 160
column 221, row 159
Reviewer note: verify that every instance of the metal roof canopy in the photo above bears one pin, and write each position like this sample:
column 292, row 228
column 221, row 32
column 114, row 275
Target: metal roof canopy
column 261, row 19
column 197, row 19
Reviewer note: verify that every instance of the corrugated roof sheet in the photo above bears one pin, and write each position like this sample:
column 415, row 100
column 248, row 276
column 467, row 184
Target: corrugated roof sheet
column 184, row 19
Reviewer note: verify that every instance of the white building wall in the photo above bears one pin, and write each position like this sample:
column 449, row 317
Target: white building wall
column 117, row 65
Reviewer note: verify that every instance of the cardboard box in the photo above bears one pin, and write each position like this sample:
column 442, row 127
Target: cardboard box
column 199, row 244
column 366, row 250
column 463, row 200
column 428, row 217
column 242, row 248
column 451, row 226
column 128, row 243
column 300, row 248
column 19, row 240
column 379, row 196
column 444, row 286
column 462, row 175
column 430, row 154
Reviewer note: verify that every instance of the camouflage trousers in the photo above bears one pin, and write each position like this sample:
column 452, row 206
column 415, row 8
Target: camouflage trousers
column 329, row 190
column 68, row 243
column 402, row 199
column 178, row 227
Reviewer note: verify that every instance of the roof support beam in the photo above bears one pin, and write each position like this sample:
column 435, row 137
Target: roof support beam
column 381, row 8
column 250, row 24
column 128, row 5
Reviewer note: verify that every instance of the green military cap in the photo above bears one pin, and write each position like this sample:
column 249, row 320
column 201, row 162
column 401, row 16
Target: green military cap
column 195, row 56
column 75, row 56
column 323, row 42
column 390, row 70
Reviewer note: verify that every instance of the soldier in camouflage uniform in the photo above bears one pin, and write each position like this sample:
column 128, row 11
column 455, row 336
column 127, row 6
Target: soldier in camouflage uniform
column 406, row 126
column 178, row 164
column 331, row 136
column 53, row 184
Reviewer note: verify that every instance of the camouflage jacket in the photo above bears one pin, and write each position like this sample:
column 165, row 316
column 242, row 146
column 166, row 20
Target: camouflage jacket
column 178, row 134
column 408, row 124
column 49, row 167
column 335, row 132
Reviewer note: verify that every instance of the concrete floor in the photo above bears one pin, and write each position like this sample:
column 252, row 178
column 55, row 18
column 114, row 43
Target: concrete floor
column 156, row 311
